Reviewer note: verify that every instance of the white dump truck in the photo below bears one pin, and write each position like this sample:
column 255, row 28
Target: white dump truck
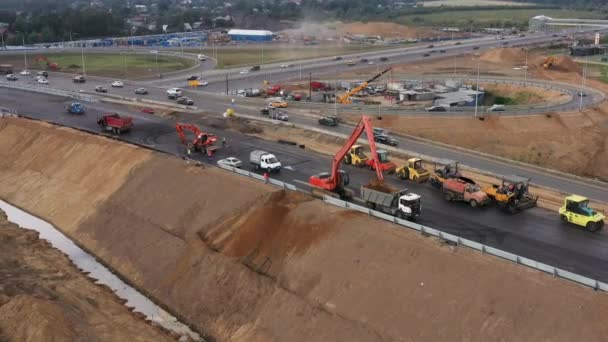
column 262, row 160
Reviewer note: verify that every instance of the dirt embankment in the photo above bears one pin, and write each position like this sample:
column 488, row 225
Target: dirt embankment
column 243, row 261
column 44, row 297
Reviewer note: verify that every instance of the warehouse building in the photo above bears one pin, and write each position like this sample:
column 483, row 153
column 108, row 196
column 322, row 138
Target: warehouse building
column 250, row 35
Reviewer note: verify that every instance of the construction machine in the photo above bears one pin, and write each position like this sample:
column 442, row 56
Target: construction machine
column 512, row 195
column 345, row 99
column 442, row 170
column 549, row 62
column 355, row 156
column 49, row 65
column 385, row 165
column 202, row 142
column 576, row 211
column 335, row 182
column 414, row 171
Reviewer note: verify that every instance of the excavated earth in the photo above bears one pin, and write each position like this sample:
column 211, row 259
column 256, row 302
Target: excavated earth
column 44, row 297
column 243, row 261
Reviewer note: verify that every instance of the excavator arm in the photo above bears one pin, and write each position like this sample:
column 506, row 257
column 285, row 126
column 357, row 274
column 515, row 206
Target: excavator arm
column 344, row 99
column 333, row 181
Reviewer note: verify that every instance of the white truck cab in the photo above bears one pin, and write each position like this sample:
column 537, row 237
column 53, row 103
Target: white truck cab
column 409, row 204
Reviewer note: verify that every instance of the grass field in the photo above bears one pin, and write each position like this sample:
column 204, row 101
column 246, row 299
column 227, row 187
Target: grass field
column 247, row 55
column 468, row 3
column 490, row 18
column 126, row 66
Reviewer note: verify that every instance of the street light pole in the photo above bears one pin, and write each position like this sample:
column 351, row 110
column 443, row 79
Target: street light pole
column 84, row 70
column 477, row 89
column 526, row 71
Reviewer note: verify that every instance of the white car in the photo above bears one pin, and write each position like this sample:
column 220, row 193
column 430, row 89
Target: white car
column 25, row 73
column 244, row 71
column 174, row 93
column 201, row 57
column 283, row 65
column 370, row 63
column 117, row 84
column 42, row 80
column 203, row 83
column 230, row 161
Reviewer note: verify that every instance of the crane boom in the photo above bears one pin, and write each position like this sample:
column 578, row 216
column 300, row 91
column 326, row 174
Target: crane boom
column 344, row 99
column 333, row 181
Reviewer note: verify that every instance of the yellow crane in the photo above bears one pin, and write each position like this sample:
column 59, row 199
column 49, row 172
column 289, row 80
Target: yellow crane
column 345, row 99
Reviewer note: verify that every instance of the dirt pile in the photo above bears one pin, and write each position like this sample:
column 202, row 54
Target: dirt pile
column 43, row 297
column 243, row 261
column 384, row 29
column 525, row 96
column 515, row 56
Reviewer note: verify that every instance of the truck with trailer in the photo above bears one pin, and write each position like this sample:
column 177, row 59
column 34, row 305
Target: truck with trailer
column 455, row 189
column 115, row 123
column 399, row 203
column 262, row 160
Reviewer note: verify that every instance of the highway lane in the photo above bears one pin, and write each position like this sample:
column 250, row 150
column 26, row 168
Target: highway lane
column 219, row 105
column 537, row 233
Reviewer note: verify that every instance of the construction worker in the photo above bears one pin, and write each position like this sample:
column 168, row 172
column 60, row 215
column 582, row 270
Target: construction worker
column 223, row 141
column 266, row 177
column 209, row 154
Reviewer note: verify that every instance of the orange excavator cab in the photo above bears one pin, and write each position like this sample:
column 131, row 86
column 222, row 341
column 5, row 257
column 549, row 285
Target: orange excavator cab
column 203, row 142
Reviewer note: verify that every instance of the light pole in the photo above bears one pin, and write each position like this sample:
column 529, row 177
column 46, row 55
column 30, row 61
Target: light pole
column 24, row 49
column 526, row 70
column 582, row 91
column 2, row 36
column 84, row 70
column 477, row 89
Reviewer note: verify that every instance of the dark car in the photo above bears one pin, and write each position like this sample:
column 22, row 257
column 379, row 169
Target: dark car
column 385, row 139
column 505, row 43
column 383, row 59
column 42, row 73
column 436, row 109
column 141, row 91
column 431, row 46
column 337, row 58
column 441, row 51
column 457, row 43
column 426, row 55
column 364, row 60
column 185, row 101
column 79, row 79
column 475, row 47
column 328, row 121
column 101, row 89
column 193, row 78
column 255, row 68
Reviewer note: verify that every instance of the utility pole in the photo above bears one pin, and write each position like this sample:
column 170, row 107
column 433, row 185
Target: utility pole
column 3, row 46
column 84, row 71
column 477, row 89
column 526, row 71
column 582, row 91
column 226, row 84
column 310, row 86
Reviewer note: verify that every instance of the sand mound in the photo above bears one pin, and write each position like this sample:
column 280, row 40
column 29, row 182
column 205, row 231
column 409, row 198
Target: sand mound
column 384, row 29
column 566, row 64
column 243, row 261
column 514, row 56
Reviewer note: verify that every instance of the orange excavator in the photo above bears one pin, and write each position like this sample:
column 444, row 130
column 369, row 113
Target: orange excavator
column 336, row 181
column 345, row 99
column 202, row 142
column 49, row 65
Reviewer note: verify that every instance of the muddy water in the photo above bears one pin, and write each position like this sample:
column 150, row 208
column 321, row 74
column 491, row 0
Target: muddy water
column 87, row 263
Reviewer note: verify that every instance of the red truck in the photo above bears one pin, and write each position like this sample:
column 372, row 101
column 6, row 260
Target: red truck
column 455, row 189
column 273, row 90
column 316, row 86
column 115, row 123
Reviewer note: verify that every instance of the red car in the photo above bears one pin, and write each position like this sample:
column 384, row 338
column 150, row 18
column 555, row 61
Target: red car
column 147, row 110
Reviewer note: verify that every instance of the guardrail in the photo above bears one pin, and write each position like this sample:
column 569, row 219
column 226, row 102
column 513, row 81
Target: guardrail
column 449, row 238
column 49, row 90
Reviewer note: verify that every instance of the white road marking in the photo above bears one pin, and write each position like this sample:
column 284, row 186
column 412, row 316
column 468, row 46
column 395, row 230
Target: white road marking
column 289, row 168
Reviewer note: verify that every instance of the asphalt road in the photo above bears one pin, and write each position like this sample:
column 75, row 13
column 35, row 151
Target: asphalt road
column 536, row 233
column 218, row 105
